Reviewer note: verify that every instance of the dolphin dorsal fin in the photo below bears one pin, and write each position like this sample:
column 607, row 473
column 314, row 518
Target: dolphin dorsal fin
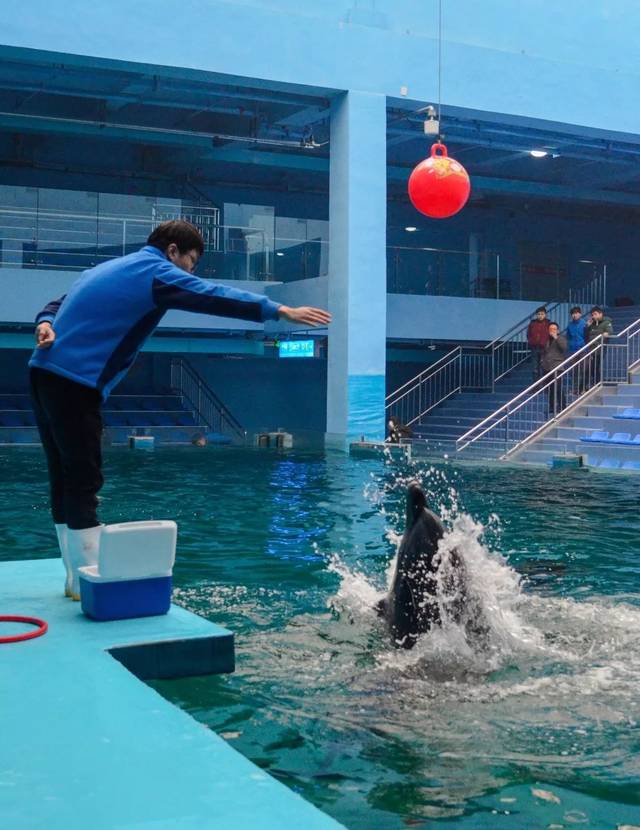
column 416, row 502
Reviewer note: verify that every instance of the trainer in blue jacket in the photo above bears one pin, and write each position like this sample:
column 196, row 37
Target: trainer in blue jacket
column 576, row 330
column 86, row 342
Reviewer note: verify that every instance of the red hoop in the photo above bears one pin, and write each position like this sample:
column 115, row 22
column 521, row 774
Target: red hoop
column 26, row 635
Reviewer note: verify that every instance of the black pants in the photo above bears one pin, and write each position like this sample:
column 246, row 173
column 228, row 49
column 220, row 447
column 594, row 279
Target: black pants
column 536, row 353
column 70, row 425
column 557, row 397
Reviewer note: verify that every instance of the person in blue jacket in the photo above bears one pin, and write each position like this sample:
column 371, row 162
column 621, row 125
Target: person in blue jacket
column 87, row 340
column 576, row 330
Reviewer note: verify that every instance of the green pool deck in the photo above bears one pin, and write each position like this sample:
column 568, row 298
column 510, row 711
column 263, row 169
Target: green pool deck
column 84, row 743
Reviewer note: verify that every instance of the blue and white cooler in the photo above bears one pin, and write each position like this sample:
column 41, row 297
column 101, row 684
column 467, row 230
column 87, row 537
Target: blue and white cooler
column 133, row 577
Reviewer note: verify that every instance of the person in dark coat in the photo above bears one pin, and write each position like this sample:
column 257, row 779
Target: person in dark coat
column 598, row 325
column 398, row 431
column 537, row 338
column 553, row 354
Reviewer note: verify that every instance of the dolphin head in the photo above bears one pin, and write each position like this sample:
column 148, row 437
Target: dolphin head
column 416, row 502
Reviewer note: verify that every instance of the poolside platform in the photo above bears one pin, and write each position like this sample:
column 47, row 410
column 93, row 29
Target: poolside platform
column 379, row 449
column 86, row 743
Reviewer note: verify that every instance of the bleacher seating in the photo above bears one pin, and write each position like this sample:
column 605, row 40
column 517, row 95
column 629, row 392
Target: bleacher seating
column 629, row 413
column 602, row 437
column 161, row 415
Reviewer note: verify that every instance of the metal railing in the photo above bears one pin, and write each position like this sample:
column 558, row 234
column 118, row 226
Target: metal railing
column 208, row 410
column 512, row 348
column 421, row 394
column 464, row 369
column 602, row 361
column 414, row 269
column 593, row 293
column 66, row 240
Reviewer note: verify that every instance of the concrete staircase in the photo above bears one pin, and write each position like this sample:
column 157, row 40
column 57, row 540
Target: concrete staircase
column 162, row 416
column 452, row 418
column 595, row 413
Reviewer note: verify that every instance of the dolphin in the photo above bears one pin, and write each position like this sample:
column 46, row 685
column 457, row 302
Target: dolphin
column 411, row 607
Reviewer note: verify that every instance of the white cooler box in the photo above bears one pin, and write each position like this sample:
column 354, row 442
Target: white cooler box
column 133, row 577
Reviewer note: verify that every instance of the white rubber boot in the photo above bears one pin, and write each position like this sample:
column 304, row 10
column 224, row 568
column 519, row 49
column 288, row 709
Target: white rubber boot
column 61, row 532
column 83, row 546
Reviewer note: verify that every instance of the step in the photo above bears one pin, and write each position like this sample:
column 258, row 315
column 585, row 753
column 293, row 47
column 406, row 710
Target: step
column 586, row 422
column 627, row 389
column 443, row 418
column 574, row 432
column 441, row 433
column 560, row 447
column 603, row 411
column 534, row 456
column 627, row 400
column 467, row 411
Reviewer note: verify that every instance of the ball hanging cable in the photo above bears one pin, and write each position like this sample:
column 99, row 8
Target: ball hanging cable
column 439, row 186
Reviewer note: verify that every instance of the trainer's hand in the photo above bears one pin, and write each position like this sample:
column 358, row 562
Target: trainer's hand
column 45, row 335
column 305, row 314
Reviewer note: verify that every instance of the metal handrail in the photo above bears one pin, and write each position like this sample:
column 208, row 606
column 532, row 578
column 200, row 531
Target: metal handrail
column 506, row 408
column 522, row 324
column 555, row 376
column 431, row 368
column 75, row 240
column 210, row 410
column 593, row 293
column 425, row 395
column 477, row 377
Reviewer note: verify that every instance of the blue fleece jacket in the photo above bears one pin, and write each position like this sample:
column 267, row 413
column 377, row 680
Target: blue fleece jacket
column 102, row 323
column 576, row 335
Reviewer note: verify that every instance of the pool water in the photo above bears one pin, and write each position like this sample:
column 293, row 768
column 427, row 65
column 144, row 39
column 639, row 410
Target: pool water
column 538, row 728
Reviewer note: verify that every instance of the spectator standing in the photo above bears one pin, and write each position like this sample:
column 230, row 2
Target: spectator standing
column 576, row 335
column 598, row 325
column 537, row 338
column 553, row 355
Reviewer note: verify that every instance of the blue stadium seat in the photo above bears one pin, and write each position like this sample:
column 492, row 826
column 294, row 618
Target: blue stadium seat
column 620, row 438
column 597, row 436
column 609, row 464
column 629, row 413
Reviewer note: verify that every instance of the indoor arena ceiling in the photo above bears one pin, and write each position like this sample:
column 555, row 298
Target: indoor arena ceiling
column 77, row 114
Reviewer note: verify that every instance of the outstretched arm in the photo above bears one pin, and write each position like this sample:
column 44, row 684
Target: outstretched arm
column 305, row 314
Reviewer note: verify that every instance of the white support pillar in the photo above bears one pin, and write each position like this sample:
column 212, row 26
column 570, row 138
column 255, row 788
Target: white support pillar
column 357, row 268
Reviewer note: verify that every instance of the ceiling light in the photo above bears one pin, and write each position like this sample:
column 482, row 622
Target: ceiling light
column 279, row 253
column 410, row 229
column 538, row 154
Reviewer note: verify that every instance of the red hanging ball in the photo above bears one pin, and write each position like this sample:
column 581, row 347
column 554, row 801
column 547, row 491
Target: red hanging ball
column 439, row 186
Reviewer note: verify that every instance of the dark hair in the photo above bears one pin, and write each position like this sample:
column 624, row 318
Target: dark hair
column 185, row 235
column 554, row 324
column 597, row 308
column 542, row 308
column 576, row 308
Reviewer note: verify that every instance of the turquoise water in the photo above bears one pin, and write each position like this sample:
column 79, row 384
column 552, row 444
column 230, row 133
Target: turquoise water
column 291, row 550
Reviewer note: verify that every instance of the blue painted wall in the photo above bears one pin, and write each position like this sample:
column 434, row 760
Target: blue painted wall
column 521, row 59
